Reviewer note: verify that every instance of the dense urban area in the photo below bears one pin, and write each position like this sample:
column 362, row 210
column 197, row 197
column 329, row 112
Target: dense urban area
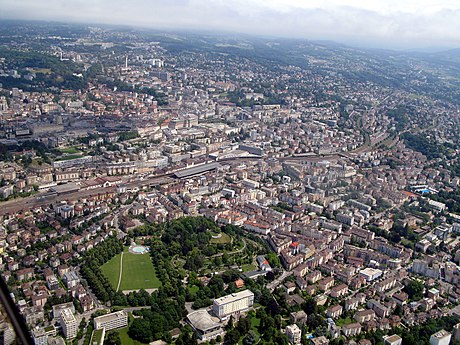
column 179, row 188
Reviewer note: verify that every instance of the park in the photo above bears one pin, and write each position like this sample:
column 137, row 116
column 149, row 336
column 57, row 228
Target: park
column 129, row 271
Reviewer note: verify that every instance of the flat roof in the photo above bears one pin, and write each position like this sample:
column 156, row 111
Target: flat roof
column 111, row 317
column 392, row 338
column 65, row 188
column 197, row 170
column 233, row 297
column 67, row 315
column 370, row 271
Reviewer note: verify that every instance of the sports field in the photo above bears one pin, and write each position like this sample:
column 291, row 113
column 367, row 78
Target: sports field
column 137, row 272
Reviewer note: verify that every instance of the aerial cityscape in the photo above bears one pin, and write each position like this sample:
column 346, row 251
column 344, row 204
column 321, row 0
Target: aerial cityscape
column 185, row 187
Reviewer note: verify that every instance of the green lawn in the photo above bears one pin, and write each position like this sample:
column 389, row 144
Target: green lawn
column 248, row 267
column 138, row 272
column 96, row 337
column 224, row 239
column 193, row 289
column 111, row 270
column 69, row 150
column 255, row 323
column 342, row 322
column 125, row 339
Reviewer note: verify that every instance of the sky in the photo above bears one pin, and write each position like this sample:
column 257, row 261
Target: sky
column 399, row 24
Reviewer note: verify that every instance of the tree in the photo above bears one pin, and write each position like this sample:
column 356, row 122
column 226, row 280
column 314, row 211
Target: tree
column 140, row 330
column 232, row 337
column 273, row 259
column 229, row 325
column 415, row 290
column 243, row 325
column 113, row 338
column 250, row 338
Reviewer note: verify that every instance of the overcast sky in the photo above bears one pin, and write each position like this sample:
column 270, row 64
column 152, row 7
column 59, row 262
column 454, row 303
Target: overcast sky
column 378, row 23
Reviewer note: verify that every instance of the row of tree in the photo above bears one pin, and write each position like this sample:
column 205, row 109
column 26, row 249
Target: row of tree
column 91, row 268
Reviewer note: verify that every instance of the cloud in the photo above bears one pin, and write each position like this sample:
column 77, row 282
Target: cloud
column 402, row 23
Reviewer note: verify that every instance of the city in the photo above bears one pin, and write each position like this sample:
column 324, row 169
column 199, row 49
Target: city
column 172, row 188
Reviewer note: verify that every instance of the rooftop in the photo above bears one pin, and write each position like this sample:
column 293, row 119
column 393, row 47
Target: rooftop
column 202, row 320
column 233, row 297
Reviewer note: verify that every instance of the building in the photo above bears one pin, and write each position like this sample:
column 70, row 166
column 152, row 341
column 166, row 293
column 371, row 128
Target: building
column 392, row 339
column 71, row 279
column 232, row 304
column 322, row 340
column 110, row 321
column 205, row 326
column 371, row 273
column 40, row 337
column 379, row 309
column 456, row 331
column 7, row 334
column 362, row 316
column 69, row 324
column 294, row 334
column 298, row 317
column 440, row 338
column 334, row 311
column 436, row 205
column 58, row 308
column 351, row 329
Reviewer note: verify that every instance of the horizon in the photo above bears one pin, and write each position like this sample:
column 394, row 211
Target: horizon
column 429, row 25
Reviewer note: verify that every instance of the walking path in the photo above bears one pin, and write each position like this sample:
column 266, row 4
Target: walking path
column 121, row 271
column 231, row 253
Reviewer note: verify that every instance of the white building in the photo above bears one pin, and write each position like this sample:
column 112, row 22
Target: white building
column 294, row 334
column 69, row 324
column 371, row 273
column 392, row 339
column 235, row 303
column 440, row 338
column 110, row 321
column 436, row 205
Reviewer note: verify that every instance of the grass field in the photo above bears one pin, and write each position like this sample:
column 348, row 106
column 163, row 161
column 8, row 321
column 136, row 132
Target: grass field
column 248, row 267
column 138, row 272
column 193, row 289
column 41, row 70
column 224, row 239
column 111, row 270
column 96, row 337
column 69, row 150
column 125, row 339
column 343, row 322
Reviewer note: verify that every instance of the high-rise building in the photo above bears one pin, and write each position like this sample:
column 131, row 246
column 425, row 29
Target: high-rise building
column 110, row 321
column 69, row 324
column 440, row 338
column 235, row 303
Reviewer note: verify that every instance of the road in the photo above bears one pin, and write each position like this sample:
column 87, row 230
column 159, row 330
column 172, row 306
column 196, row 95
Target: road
column 231, row 253
column 16, row 205
column 121, row 271
column 274, row 284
